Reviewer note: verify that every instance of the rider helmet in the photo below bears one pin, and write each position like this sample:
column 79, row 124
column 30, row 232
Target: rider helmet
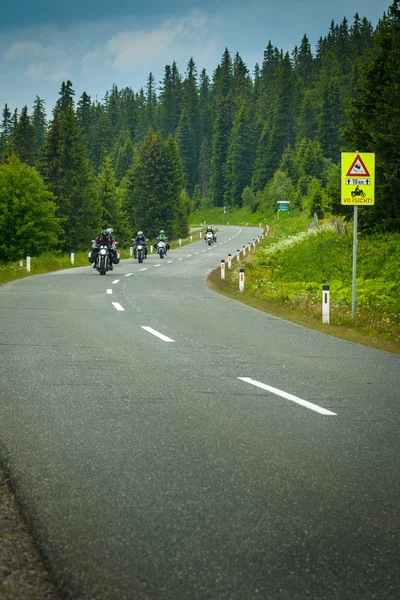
column 105, row 233
column 140, row 233
column 110, row 231
column 162, row 232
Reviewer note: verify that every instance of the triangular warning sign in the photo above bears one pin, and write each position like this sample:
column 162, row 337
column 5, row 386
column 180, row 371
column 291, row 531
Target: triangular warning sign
column 358, row 168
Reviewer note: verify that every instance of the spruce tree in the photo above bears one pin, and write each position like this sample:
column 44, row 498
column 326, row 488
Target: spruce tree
column 23, row 138
column 238, row 162
column 111, row 211
column 68, row 174
column 153, row 187
column 374, row 121
column 39, row 121
column 5, row 128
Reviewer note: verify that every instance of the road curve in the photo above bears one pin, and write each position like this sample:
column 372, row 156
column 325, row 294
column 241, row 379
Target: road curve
column 167, row 442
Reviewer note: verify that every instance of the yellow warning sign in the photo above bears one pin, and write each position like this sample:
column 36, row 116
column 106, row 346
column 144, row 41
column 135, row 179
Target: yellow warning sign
column 358, row 178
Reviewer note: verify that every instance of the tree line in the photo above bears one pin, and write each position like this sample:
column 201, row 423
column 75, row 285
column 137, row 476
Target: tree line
column 146, row 159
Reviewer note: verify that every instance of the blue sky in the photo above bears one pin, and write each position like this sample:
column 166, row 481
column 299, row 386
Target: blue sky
column 96, row 44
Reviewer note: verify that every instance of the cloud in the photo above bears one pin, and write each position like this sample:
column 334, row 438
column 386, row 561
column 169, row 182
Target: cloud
column 54, row 73
column 174, row 38
column 20, row 49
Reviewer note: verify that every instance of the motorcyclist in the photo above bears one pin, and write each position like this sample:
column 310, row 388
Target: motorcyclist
column 162, row 237
column 104, row 238
column 140, row 239
column 211, row 229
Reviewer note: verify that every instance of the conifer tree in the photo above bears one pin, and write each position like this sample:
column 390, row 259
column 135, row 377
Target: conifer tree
column 111, row 211
column 238, row 164
column 123, row 155
column 39, row 121
column 374, row 124
column 68, row 174
column 5, row 128
column 23, row 138
column 153, row 187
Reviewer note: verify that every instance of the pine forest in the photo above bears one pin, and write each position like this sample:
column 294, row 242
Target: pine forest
column 145, row 159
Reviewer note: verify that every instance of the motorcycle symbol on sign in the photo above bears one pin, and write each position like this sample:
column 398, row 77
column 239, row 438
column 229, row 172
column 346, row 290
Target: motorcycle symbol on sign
column 357, row 192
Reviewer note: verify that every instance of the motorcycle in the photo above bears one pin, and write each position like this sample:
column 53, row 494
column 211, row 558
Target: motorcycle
column 103, row 263
column 161, row 248
column 209, row 238
column 140, row 252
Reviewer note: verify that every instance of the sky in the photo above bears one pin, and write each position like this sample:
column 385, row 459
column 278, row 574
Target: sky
column 97, row 44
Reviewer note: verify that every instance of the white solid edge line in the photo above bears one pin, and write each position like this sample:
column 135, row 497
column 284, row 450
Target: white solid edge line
column 144, row 269
column 109, row 291
column 305, row 403
column 128, row 274
column 117, row 306
column 115, row 281
column 157, row 333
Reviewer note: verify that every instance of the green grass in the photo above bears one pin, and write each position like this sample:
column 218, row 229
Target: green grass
column 286, row 273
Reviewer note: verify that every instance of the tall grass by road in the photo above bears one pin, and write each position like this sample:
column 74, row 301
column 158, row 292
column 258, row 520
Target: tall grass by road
column 285, row 274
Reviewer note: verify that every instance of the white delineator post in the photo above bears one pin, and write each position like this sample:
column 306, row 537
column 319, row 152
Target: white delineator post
column 21, row 263
column 151, row 248
column 28, row 263
column 72, row 258
column 199, row 233
column 130, row 250
column 191, row 237
column 241, row 280
column 254, row 243
column 238, row 255
column 325, row 303
column 229, row 261
column 249, row 246
column 180, row 242
column 244, row 250
column 222, row 269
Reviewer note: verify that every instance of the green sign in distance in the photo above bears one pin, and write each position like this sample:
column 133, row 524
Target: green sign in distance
column 283, row 206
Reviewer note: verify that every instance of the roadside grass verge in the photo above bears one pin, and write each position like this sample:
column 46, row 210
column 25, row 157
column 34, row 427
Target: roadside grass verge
column 284, row 277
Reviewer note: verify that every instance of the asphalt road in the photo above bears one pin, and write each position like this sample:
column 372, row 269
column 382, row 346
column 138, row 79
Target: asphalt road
column 154, row 469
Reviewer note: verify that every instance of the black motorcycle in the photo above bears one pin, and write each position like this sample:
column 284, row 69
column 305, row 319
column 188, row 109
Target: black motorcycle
column 140, row 252
column 103, row 259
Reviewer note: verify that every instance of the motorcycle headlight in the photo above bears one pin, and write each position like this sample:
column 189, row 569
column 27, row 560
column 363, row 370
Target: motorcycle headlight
column 140, row 247
column 103, row 251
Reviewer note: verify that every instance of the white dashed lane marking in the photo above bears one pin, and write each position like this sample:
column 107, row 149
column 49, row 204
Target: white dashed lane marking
column 305, row 403
column 128, row 274
column 116, row 281
column 162, row 337
column 144, row 269
column 109, row 291
column 117, row 306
